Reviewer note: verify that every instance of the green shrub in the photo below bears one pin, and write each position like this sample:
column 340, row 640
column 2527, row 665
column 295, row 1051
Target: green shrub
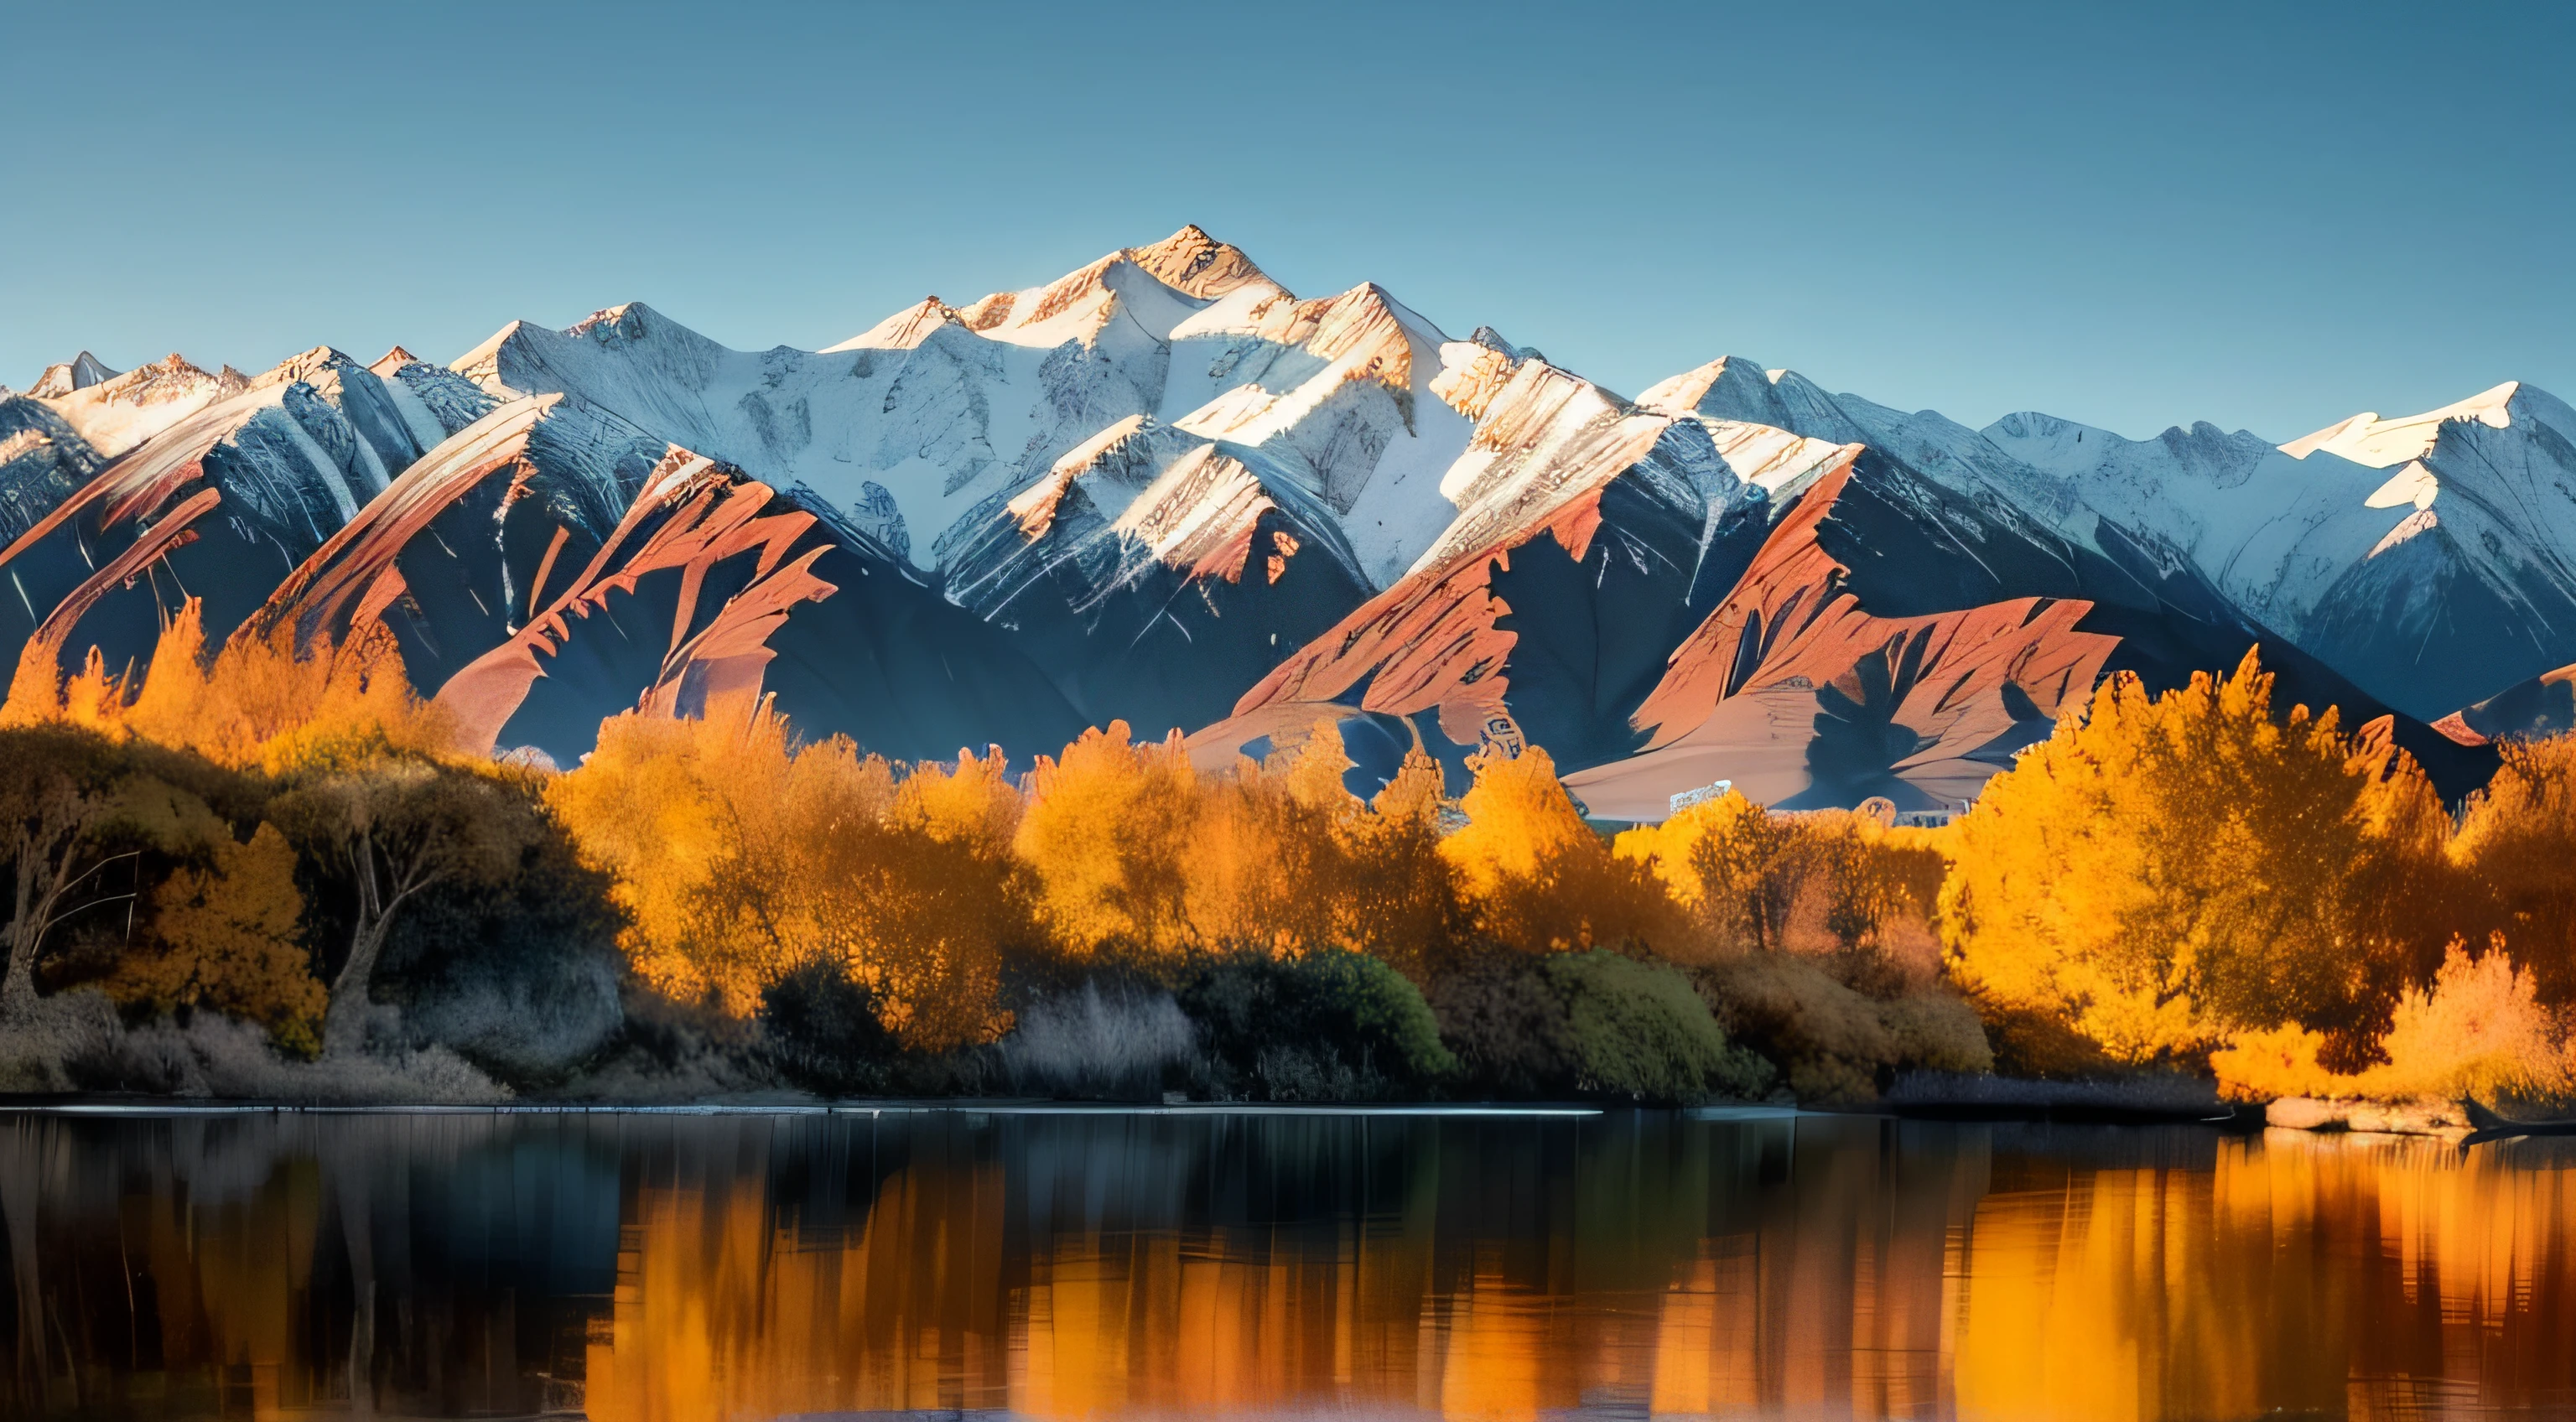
column 1836, row 1044
column 1591, row 1022
column 1936, row 1032
column 1325, row 1025
column 1639, row 1029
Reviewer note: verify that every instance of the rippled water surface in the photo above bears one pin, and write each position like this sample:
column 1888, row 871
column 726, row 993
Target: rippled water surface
column 1102, row 1265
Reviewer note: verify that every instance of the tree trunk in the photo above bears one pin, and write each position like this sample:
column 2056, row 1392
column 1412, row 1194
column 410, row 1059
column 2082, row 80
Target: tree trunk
column 344, row 1022
column 18, row 988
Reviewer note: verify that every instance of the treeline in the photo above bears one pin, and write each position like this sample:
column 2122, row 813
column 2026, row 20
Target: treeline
column 247, row 842
column 258, row 873
column 248, row 871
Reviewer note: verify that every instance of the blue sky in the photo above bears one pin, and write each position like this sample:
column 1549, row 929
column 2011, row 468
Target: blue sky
column 2263, row 216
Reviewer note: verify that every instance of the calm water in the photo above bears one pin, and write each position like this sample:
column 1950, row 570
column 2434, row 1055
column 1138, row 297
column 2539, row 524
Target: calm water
column 1624, row 1265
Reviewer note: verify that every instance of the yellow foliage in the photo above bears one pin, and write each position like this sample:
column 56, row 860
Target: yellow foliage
column 225, row 938
column 740, row 857
column 2169, row 872
column 1137, row 852
column 1519, row 821
column 1536, row 877
column 1745, row 876
column 2272, row 1062
column 2478, row 1030
column 261, row 703
column 2516, row 852
column 1397, row 894
column 1108, row 830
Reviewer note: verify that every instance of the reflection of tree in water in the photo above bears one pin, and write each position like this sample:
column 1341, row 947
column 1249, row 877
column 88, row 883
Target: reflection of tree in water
column 192, row 1266
column 1097, row 1265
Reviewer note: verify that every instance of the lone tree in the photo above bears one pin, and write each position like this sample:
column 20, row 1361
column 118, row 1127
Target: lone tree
column 399, row 827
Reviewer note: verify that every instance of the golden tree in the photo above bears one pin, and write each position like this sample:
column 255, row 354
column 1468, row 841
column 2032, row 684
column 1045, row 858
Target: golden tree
column 1399, row 897
column 1108, row 829
column 261, row 702
column 2516, row 855
column 224, row 936
column 1535, row 876
column 2167, row 871
column 741, row 857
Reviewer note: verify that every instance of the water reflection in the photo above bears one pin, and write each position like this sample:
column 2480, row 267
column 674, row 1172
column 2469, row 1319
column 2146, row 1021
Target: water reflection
column 1113, row 1266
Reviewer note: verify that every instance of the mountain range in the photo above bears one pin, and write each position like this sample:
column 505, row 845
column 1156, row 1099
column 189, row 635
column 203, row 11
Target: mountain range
column 1166, row 490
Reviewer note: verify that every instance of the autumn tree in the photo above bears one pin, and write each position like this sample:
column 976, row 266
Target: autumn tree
column 264, row 700
column 224, row 935
column 1744, row 875
column 743, row 859
column 1731, row 865
column 1108, row 830
column 1536, row 876
column 2166, row 871
column 919, row 902
column 2515, row 854
column 1398, row 896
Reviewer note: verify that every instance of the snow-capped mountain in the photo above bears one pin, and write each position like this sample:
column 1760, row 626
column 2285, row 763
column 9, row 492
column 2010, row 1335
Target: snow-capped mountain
column 1164, row 489
column 2321, row 539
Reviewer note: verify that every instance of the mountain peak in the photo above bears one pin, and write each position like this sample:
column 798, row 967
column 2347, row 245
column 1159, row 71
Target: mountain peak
column 1196, row 264
column 903, row 330
column 392, row 360
column 1729, row 387
column 79, row 373
column 630, row 321
column 2367, row 439
column 303, row 365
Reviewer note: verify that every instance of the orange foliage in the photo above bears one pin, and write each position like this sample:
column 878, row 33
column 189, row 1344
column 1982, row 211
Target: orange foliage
column 2166, row 872
column 224, row 937
column 1536, row 876
column 260, row 703
column 1744, row 875
column 2478, row 1030
column 2516, row 855
column 1140, row 854
column 1108, row 830
column 740, row 857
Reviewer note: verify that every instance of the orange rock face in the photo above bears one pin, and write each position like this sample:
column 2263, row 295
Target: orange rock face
column 1754, row 693
column 1789, row 686
column 692, row 515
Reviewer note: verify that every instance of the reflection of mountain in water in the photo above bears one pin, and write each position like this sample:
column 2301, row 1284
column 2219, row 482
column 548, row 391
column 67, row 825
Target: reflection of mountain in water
column 1109, row 1265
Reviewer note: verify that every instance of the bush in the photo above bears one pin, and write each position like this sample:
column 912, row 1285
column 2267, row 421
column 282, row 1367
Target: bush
column 1936, row 1032
column 1836, row 1044
column 1639, row 1029
column 2479, row 1030
column 533, row 1023
column 1324, row 1025
column 519, row 977
column 823, row 1031
column 1591, row 1022
column 1119, row 1045
column 666, row 1050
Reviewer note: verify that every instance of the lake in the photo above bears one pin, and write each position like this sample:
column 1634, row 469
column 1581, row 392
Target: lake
column 1102, row 1264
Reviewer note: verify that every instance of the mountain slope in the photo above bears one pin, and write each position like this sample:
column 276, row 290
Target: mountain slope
column 1164, row 489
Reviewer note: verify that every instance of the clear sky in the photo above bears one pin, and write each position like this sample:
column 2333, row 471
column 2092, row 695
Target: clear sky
column 2261, row 215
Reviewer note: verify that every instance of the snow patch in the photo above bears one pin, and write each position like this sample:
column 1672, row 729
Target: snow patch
column 2367, row 439
column 2413, row 484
